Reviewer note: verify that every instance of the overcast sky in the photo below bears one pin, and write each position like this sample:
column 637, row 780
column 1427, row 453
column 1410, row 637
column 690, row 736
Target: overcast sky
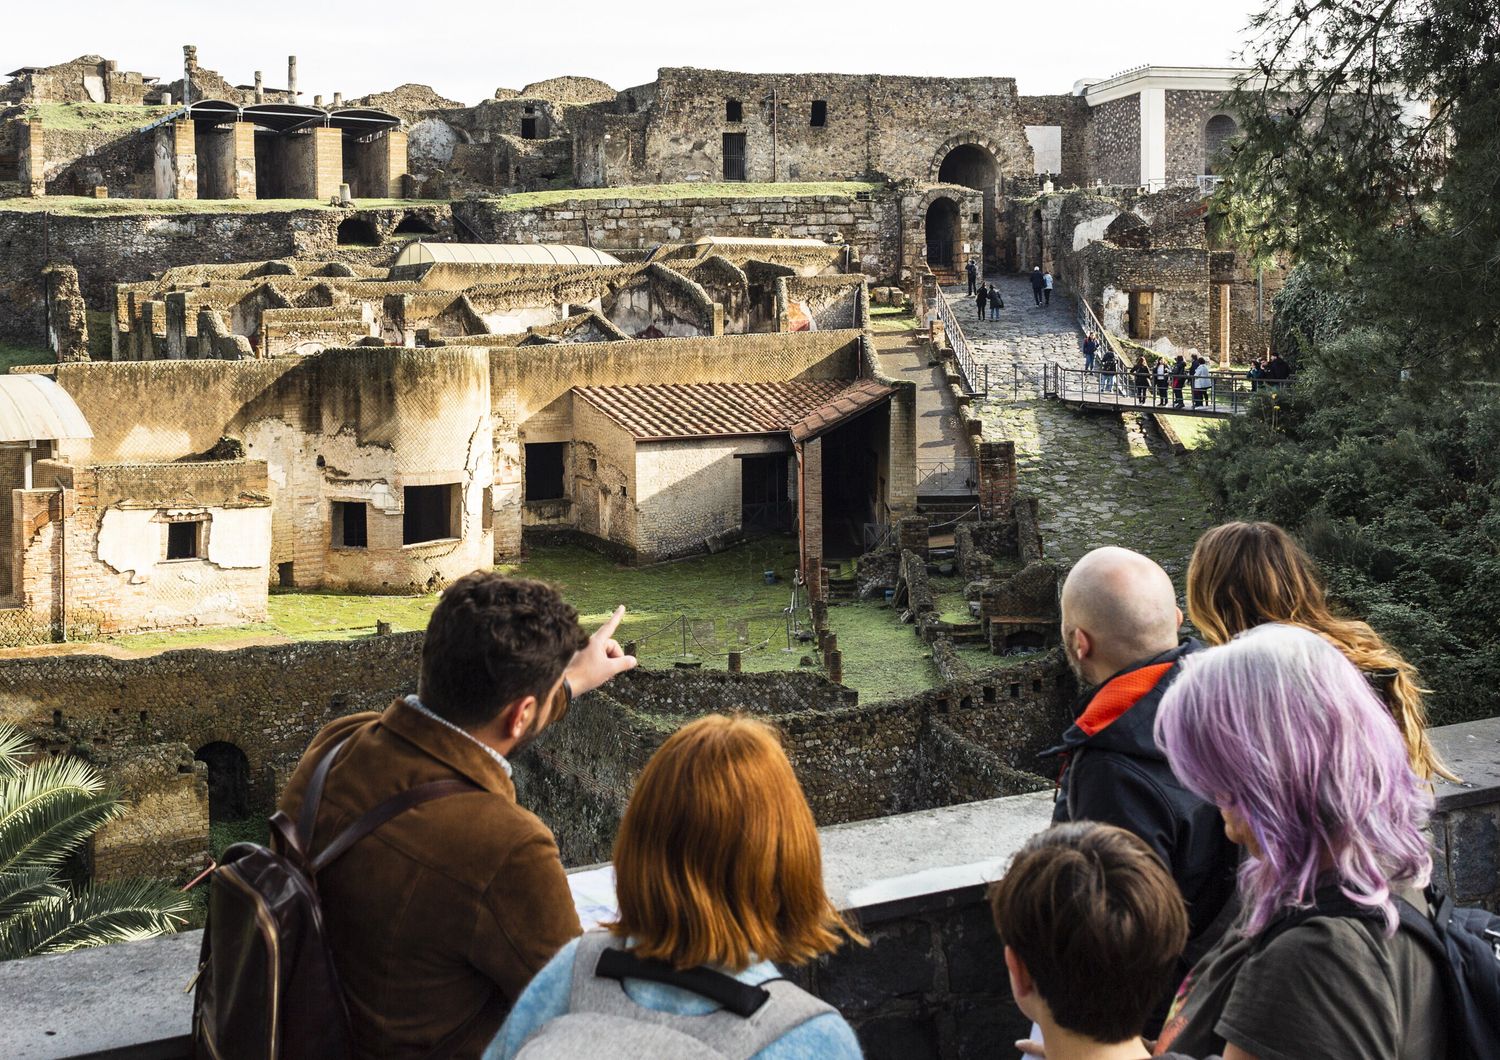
column 466, row 49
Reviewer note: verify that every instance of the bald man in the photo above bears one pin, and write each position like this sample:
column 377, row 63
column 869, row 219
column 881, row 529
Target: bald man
column 1120, row 625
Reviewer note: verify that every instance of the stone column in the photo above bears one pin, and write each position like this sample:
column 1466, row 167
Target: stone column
column 997, row 479
column 811, row 515
column 242, row 154
column 31, row 160
column 1221, row 336
column 176, row 163
column 327, row 163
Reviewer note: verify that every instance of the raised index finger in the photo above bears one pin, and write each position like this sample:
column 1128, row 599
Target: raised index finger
column 611, row 624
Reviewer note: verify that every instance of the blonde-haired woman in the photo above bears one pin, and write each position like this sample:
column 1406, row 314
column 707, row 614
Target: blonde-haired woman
column 1244, row 575
column 718, row 874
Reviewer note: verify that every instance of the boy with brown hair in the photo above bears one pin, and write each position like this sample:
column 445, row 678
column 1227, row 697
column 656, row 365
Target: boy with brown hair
column 1092, row 926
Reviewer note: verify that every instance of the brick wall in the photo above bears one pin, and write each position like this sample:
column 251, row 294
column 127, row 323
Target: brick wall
column 688, row 491
column 1116, row 141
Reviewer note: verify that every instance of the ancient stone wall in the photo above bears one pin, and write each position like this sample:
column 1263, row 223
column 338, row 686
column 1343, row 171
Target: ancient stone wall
column 690, row 491
column 869, row 226
column 1070, row 114
column 1116, row 141
column 1178, row 280
column 1187, row 118
column 164, row 833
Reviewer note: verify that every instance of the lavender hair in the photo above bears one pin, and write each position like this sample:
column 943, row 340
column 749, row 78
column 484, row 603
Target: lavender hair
column 1278, row 726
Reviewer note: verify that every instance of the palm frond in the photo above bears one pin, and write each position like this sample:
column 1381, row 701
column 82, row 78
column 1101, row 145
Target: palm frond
column 23, row 888
column 125, row 911
column 13, row 745
column 48, row 810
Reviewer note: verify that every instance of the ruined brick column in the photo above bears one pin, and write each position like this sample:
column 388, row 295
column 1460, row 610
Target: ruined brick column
column 327, row 163
column 912, row 534
column 811, row 516
column 902, row 488
column 176, row 162
column 997, row 478
column 31, row 160
column 395, row 164
column 242, row 154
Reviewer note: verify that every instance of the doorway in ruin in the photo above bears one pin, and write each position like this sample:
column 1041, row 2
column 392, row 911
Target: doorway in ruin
column 228, row 781
column 764, row 500
column 856, row 469
column 944, row 235
column 972, row 166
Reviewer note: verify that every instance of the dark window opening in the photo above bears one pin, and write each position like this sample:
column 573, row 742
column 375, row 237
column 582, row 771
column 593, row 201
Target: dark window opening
column 413, row 224
column 734, row 156
column 734, row 110
column 819, row 113
column 350, row 525
column 182, row 540
column 286, row 575
column 429, row 513
column 544, row 471
column 763, row 492
column 356, row 231
column 528, row 128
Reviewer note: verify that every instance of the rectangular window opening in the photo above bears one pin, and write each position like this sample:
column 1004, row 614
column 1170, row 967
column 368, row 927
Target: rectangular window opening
column 544, row 471
column 819, row 113
column 528, row 128
column 286, row 575
column 182, row 540
column 350, row 524
column 734, row 156
column 430, row 513
column 734, row 110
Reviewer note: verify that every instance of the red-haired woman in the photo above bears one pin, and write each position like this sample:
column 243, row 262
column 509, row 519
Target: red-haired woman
column 718, row 874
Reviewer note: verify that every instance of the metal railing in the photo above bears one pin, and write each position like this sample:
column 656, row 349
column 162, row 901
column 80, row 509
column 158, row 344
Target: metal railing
column 1227, row 393
column 959, row 476
column 962, row 355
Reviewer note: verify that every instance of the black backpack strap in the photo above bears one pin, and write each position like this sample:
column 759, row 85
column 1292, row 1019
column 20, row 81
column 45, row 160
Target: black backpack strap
column 740, row 998
column 1327, row 902
column 312, row 798
column 397, row 804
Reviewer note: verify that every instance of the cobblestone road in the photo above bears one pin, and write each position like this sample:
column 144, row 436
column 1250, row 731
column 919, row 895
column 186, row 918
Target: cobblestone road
column 1102, row 477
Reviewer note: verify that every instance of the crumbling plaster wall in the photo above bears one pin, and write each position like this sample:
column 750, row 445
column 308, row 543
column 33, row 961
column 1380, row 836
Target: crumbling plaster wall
column 690, row 490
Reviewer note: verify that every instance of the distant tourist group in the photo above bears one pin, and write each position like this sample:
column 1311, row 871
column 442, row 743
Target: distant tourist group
column 1236, row 868
column 1162, row 382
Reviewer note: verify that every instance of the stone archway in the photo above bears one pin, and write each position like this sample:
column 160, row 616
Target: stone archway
column 1217, row 133
column 944, row 232
column 973, row 161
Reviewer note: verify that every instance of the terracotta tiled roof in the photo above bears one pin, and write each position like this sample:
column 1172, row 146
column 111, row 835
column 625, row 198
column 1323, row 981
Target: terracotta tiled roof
column 706, row 410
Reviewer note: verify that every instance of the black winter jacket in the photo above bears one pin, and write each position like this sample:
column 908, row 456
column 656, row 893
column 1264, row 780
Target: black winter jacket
column 1117, row 775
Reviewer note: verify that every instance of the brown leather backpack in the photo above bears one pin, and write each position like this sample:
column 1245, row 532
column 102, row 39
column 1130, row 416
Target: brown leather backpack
column 268, row 986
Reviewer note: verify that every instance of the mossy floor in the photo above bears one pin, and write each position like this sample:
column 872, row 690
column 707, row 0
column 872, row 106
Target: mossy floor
column 695, row 610
column 80, row 205
column 14, row 356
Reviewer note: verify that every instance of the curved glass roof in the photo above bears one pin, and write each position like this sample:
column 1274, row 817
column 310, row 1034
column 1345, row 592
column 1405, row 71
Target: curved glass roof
column 420, row 253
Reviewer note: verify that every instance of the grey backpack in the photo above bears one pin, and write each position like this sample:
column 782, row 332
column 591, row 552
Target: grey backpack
column 603, row 1021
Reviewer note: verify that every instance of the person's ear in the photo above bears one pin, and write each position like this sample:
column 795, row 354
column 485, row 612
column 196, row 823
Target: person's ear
column 517, row 717
column 1083, row 644
column 1021, row 984
column 1179, row 617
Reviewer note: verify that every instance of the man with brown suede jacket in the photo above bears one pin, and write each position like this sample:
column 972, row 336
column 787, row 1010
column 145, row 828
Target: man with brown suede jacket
column 439, row 919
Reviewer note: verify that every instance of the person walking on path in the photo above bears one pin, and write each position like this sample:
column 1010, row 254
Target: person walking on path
column 1202, row 383
column 1179, row 374
column 982, row 298
column 1047, row 288
column 996, row 302
column 1090, row 348
column 1277, row 371
column 1107, row 367
column 973, row 271
column 1159, row 376
column 1037, row 283
column 1142, row 379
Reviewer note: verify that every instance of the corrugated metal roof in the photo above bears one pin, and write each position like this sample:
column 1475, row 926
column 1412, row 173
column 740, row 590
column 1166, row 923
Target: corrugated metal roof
column 806, row 408
column 419, row 253
column 33, row 407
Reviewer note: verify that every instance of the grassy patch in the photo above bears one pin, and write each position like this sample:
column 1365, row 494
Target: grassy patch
column 12, row 356
column 694, row 610
column 94, row 117
column 528, row 200
column 887, row 320
column 1196, row 431
column 84, row 206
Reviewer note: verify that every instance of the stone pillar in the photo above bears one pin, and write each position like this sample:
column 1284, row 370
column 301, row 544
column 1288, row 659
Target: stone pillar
column 811, row 515
column 31, row 160
column 383, row 170
column 735, row 664
column 912, row 535
column 834, row 663
column 328, row 162
column 997, row 479
column 260, row 88
column 902, row 438
column 242, row 159
column 67, row 320
column 176, row 163
column 291, row 76
column 1221, row 336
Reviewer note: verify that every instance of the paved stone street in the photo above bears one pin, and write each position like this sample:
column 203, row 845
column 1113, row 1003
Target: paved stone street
column 942, row 453
column 1103, row 477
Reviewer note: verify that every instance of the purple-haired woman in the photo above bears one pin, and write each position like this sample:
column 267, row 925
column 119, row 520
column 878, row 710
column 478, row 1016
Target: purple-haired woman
column 1312, row 778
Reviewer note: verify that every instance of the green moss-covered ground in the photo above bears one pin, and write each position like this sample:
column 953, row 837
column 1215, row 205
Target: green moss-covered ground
column 528, row 200
column 11, row 356
column 694, row 610
column 79, row 205
column 94, row 117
